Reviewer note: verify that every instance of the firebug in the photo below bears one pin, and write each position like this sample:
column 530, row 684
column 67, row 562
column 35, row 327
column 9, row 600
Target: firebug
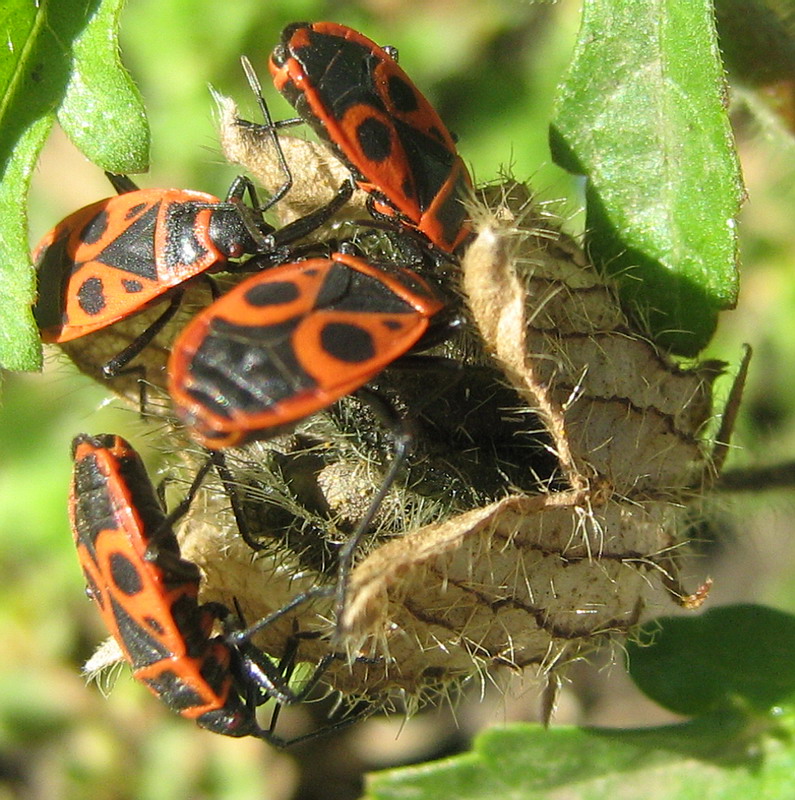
column 147, row 595
column 290, row 341
column 115, row 257
column 359, row 101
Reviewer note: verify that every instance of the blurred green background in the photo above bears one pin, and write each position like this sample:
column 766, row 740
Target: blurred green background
column 490, row 68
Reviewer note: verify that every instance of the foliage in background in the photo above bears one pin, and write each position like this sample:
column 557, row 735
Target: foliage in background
column 61, row 59
column 492, row 69
column 642, row 114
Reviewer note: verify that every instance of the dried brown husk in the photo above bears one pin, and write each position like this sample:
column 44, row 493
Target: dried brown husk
column 536, row 579
column 522, row 578
column 479, row 559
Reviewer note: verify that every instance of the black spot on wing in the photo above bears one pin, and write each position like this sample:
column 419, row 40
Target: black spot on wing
column 348, row 343
column 402, row 95
column 154, row 625
column 125, row 575
column 436, row 133
column 91, row 296
column 375, row 139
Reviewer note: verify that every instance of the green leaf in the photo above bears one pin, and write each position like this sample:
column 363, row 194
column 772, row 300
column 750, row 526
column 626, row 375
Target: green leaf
column 19, row 338
column 102, row 111
column 60, row 56
column 642, row 114
column 526, row 762
column 734, row 656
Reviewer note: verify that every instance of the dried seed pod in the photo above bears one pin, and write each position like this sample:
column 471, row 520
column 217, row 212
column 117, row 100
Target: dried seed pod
column 535, row 579
column 460, row 577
